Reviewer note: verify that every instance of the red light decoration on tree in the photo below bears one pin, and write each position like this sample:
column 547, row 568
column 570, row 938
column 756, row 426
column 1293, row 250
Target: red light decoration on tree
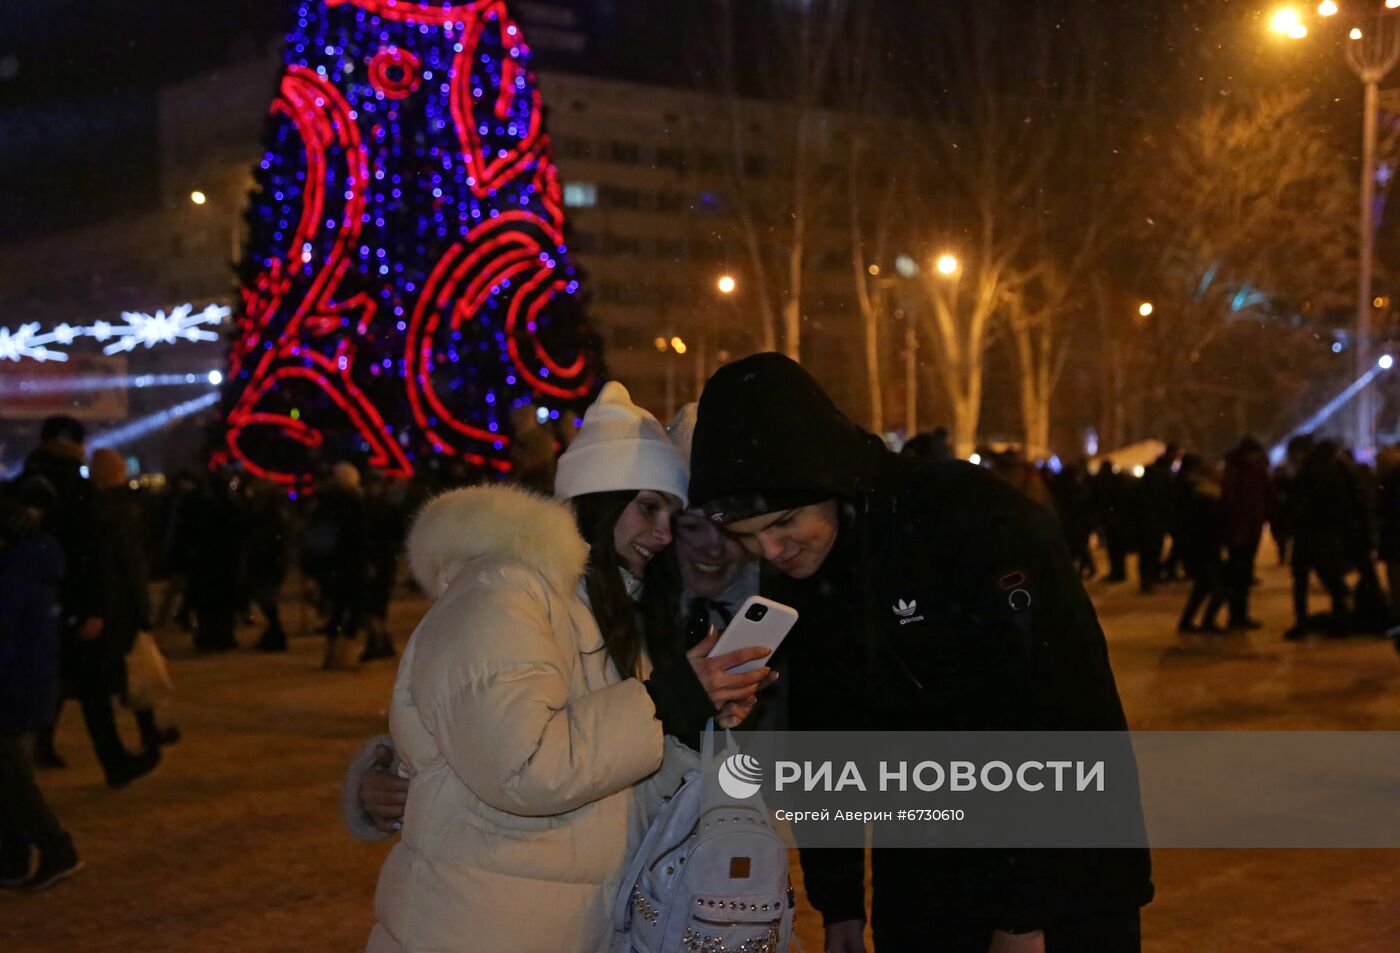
column 406, row 280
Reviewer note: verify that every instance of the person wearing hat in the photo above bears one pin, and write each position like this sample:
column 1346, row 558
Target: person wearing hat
column 527, row 712
column 693, row 590
column 1002, row 636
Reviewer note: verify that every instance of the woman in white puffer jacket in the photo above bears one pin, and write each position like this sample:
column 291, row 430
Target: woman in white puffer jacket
column 526, row 711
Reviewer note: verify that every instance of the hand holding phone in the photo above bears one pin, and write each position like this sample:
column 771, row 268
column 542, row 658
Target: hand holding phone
column 759, row 623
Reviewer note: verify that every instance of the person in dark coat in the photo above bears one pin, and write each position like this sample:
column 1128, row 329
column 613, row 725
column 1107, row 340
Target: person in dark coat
column 88, row 651
column 214, row 530
column 128, row 607
column 1320, row 507
column 386, row 524
column 853, row 530
column 1247, row 503
column 1113, row 507
column 335, row 552
column 1388, row 521
column 35, row 850
column 1200, row 538
column 269, row 542
column 1154, row 514
column 1074, row 503
column 1369, row 609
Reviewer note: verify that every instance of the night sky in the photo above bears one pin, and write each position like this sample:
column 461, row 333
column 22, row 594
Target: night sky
column 75, row 74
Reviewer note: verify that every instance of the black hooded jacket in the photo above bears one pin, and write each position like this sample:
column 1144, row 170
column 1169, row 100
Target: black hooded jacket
column 1003, row 636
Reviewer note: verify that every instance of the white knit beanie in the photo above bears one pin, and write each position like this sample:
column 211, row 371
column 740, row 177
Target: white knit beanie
column 620, row 447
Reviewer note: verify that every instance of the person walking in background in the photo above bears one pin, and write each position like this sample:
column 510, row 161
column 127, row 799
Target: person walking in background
column 269, row 541
column 128, row 599
column 1199, row 539
column 35, row 851
column 1247, row 503
column 336, row 556
column 1074, row 502
column 1113, row 506
column 91, row 652
column 386, row 523
column 1154, row 499
column 1388, row 521
column 173, row 563
column 215, row 536
column 1370, row 610
column 1282, row 521
column 1319, row 504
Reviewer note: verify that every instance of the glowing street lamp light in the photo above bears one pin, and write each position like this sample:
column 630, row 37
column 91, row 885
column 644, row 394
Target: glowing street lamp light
column 1392, row 4
column 1386, row 362
column 198, row 197
column 1145, row 309
column 1327, row 8
column 946, row 264
column 1287, row 22
column 678, row 345
column 726, row 284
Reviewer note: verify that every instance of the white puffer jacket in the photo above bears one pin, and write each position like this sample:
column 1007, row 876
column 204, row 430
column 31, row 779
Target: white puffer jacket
column 533, row 765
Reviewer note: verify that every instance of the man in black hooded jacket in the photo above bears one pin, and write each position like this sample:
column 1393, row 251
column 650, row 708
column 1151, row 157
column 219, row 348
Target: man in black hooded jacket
column 1005, row 638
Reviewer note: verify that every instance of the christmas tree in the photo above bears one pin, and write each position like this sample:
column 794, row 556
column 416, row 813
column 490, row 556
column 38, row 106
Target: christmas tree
column 405, row 281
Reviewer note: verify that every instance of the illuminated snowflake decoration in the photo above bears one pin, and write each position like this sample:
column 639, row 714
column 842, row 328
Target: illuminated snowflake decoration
column 139, row 329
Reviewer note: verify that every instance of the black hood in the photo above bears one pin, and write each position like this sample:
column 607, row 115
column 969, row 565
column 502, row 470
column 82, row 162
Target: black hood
column 767, row 437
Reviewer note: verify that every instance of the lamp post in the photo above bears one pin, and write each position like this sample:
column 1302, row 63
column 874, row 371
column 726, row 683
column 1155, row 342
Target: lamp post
column 1371, row 53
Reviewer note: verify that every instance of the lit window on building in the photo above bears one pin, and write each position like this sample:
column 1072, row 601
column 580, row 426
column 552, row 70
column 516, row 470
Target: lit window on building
column 580, row 194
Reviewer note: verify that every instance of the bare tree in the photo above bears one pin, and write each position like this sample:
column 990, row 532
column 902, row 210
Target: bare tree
column 1246, row 243
column 874, row 183
column 792, row 82
column 995, row 119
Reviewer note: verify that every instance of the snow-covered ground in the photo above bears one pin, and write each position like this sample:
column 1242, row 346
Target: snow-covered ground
column 235, row 844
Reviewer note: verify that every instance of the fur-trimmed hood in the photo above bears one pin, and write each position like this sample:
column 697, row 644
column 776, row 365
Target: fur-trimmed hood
column 501, row 521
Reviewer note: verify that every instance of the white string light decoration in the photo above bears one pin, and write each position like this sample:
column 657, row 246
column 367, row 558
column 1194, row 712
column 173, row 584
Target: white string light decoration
column 140, row 329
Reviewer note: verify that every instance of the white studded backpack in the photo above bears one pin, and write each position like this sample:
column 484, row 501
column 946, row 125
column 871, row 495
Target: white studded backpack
column 711, row 875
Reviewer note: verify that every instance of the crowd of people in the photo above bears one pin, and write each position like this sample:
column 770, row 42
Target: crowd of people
column 1186, row 518
column 653, row 540
column 90, row 559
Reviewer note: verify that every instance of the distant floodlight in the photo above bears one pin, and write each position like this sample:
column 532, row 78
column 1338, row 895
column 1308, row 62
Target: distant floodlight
column 1327, row 8
column 1386, row 362
column 1355, row 33
column 215, row 378
column 1145, row 309
column 975, row 459
column 198, row 197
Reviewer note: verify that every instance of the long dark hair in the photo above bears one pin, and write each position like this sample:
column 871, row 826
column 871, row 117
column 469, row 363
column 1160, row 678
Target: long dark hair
column 596, row 515
column 624, row 636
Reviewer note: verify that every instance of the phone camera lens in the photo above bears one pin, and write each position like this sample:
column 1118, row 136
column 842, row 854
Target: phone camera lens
column 756, row 613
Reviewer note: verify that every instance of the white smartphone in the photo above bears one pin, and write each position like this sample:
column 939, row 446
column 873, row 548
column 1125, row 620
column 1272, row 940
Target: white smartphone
column 759, row 621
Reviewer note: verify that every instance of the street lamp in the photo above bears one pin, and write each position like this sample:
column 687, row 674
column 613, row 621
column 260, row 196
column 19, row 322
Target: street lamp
column 198, row 197
column 1145, row 309
column 946, row 265
column 1371, row 54
column 1289, row 23
column 726, row 284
